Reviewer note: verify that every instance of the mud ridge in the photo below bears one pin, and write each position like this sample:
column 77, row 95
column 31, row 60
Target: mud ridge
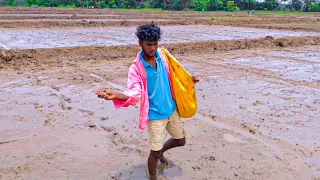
column 93, row 23
column 30, row 57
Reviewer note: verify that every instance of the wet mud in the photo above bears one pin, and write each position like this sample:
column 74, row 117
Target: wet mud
column 62, row 18
column 58, row 38
column 252, row 120
column 258, row 97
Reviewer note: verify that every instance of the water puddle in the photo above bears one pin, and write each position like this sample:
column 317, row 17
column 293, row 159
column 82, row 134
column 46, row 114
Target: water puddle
column 231, row 139
column 314, row 160
column 61, row 15
column 33, row 103
column 85, row 20
column 307, row 56
column 56, row 38
column 140, row 172
column 244, row 133
column 273, row 111
column 3, row 46
column 7, row 125
column 293, row 70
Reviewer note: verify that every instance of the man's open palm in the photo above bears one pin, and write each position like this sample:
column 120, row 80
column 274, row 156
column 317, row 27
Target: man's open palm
column 107, row 94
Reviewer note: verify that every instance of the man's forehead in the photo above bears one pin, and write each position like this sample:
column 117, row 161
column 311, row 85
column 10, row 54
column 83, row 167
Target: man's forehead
column 151, row 41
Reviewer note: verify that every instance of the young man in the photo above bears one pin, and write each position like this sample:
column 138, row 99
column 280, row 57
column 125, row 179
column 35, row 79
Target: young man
column 149, row 82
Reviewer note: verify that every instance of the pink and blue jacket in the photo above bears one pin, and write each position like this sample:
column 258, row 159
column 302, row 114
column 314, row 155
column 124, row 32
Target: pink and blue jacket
column 137, row 90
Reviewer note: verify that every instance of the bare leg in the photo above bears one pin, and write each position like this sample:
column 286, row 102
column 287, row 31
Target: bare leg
column 158, row 155
column 152, row 164
column 171, row 143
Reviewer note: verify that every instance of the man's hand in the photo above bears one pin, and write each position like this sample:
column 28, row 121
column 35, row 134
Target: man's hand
column 195, row 79
column 107, row 94
column 111, row 95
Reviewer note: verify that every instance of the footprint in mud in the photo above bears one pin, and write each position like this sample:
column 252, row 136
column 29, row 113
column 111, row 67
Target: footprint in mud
column 86, row 112
column 140, row 172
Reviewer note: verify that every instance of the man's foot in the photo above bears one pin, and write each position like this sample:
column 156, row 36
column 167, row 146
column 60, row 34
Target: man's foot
column 165, row 160
column 161, row 167
column 152, row 177
column 158, row 178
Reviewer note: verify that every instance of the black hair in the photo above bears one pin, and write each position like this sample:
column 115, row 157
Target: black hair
column 149, row 32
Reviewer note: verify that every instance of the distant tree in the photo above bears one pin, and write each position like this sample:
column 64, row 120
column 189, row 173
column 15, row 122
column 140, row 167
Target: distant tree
column 201, row 5
column 271, row 4
column 315, row 7
column 4, row 3
column 296, row 5
column 248, row 4
column 215, row 5
column 231, row 6
column 307, row 4
column 128, row 3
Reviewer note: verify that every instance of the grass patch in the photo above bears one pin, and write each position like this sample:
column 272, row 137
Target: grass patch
column 138, row 9
column 235, row 18
column 149, row 9
column 287, row 13
column 67, row 7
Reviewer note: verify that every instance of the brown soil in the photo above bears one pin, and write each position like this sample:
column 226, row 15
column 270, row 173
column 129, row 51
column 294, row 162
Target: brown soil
column 52, row 17
column 258, row 115
column 54, row 56
column 256, row 120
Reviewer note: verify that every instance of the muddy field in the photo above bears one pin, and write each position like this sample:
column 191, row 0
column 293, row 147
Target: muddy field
column 259, row 104
column 119, row 36
column 52, row 17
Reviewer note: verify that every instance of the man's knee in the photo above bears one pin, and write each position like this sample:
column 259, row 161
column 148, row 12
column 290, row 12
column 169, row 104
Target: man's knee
column 181, row 142
column 155, row 154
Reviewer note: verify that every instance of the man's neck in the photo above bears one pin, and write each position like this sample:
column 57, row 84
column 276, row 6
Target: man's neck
column 149, row 58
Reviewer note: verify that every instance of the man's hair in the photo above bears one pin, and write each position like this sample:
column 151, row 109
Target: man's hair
column 149, row 32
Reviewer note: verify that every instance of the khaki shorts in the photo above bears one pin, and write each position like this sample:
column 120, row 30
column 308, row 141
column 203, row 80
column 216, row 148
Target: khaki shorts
column 157, row 129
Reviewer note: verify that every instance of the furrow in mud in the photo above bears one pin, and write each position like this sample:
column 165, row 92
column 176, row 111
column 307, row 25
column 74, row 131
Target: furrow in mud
column 28, row 57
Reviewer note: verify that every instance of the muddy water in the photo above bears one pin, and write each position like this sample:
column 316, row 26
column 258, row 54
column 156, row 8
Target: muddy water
column 257, row 120
column 290, row 69
column 29, row 104
column 60, row 15
column 282, row 106
column 304, row 56
column 141, row 173
column 278, row 112
column 115, row 36
column 265, row 94
column 86, row 20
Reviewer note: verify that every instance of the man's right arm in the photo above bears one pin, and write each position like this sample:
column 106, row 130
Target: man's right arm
column 112, row 95
column 130, row 97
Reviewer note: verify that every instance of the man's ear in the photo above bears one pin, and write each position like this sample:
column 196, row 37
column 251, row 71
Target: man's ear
column 140, row 43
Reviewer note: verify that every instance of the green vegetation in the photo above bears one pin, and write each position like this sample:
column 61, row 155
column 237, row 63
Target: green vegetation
column 149, row 9
column 68, row 6
column 198, row 5
column 287, row 13
column 235, row 18
column 232, row 6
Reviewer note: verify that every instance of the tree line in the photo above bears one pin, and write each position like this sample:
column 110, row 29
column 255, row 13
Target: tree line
column 199, row 5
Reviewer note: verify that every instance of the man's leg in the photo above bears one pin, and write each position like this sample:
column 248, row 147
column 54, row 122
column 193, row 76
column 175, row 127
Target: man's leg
column 171, row 143
column 152, row 164
column 175, row 129
column 158, row 155
column 156, row 131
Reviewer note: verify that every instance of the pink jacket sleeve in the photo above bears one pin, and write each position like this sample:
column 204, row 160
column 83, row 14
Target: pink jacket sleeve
column 134, row 86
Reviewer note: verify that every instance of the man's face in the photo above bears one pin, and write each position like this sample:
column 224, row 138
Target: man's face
column 149, row 47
